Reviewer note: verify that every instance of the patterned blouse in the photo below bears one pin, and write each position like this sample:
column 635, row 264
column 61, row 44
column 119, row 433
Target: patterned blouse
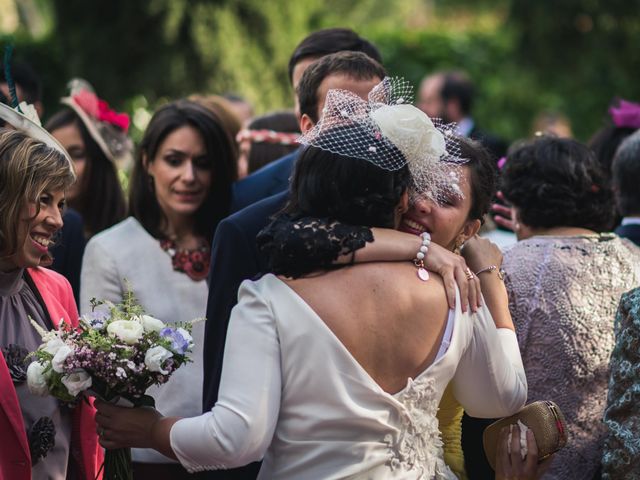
column 563, row 295
column 621, row 457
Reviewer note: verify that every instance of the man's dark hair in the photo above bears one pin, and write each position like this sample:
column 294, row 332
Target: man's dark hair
column 558, row 182
column 625, row 170
column 605, row 143
column 331, row 40
column 458, row 86
column 356, row 65
column 24, row 76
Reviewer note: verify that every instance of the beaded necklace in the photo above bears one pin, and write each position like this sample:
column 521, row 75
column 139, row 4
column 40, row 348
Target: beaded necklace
column 193, row 262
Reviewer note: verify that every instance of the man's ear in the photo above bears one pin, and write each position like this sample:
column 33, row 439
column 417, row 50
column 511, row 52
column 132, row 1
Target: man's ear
column 306, row 123
column 452, row 108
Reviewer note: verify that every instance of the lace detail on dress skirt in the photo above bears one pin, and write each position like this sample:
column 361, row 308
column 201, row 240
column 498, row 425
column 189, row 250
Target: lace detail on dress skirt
column 417, row 446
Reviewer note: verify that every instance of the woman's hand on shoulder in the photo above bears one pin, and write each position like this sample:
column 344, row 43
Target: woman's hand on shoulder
column 481, row 253
column 453, row 270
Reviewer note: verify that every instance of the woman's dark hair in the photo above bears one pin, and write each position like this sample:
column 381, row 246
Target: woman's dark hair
column 143, row 204
column 100, row 200
column 263, row 153
column 346, row 189
column 605, row 142
column 558, row 182
column 483, row 174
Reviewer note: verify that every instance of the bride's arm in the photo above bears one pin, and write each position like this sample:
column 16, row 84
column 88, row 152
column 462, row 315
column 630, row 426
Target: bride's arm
column 238, row 430
column 325, row 243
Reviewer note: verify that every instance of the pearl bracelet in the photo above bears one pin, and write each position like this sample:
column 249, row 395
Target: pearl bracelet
column 423, row 274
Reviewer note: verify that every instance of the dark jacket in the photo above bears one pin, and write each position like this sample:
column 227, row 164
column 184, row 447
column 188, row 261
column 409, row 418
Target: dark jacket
column 265, row 182
column 630, row 231
column 234, row 258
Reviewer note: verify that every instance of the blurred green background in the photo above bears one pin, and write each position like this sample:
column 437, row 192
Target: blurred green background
column 525, row 56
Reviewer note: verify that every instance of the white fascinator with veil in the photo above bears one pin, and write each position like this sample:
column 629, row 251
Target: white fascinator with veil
column 389, row 132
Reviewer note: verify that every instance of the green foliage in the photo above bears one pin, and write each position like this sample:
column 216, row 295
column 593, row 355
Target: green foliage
column 525, row 57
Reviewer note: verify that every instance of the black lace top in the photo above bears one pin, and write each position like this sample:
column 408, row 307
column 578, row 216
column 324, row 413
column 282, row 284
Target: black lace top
column 296, row 246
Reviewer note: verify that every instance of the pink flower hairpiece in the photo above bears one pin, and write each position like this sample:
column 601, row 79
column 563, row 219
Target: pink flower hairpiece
column 100, row 110
column 268, row 136
column 626, row 114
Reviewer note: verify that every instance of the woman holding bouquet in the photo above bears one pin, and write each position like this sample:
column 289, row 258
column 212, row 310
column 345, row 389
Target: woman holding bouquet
column 41, row 437
column 339, row 374
column 180, row 188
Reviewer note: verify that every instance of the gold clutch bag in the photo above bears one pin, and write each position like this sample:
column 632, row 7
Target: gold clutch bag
column 543, row 417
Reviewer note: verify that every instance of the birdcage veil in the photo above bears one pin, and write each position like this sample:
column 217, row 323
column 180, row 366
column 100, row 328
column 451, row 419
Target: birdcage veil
column 386, row 130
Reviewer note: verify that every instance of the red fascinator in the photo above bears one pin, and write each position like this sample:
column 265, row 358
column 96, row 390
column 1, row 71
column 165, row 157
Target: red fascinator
column 106, row 126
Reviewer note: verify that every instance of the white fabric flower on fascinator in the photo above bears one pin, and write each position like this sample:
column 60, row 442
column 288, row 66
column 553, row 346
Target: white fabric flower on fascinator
column 24, row 118
column 389, row 132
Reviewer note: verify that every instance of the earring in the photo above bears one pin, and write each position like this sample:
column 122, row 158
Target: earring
column 458, row 246
column 152, row 185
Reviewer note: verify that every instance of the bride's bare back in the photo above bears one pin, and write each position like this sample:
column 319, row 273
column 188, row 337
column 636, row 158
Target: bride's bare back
column 391, row 322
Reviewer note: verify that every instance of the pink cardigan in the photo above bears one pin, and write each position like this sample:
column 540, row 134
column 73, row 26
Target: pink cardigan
column 15, row 459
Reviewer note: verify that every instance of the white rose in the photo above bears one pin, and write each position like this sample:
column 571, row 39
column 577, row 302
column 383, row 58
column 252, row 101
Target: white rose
column 127, row 331
column 59, row 358
column 151, row 324
column 411, row 131
column 77, row 382
column 155, row 357
column 53, row 345
column 37, row 380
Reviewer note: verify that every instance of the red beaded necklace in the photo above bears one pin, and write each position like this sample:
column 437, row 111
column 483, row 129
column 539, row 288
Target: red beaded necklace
column 195, row 262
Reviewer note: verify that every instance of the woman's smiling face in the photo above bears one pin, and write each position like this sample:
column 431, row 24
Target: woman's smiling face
column 447, row 222
column 36, row 231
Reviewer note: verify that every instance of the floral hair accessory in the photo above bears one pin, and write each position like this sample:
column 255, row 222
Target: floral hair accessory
column 268, row 136
column 626, row 115
column 389, row 132
column 107, row 127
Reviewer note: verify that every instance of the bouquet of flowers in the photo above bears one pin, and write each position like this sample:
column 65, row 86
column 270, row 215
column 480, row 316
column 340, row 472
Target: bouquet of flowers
column 116, row 353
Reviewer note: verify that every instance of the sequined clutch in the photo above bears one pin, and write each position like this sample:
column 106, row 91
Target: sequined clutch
column 543, row 417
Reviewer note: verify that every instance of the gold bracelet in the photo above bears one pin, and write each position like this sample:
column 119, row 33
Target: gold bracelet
column 490, row 269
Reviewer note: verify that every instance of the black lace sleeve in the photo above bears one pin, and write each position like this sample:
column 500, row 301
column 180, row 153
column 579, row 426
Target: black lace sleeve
column 296, row 246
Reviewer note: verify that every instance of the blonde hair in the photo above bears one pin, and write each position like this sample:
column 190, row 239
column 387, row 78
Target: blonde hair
column 27, row 169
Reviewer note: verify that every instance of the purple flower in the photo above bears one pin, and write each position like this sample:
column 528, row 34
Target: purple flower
column 179, row 343
column 626, row 114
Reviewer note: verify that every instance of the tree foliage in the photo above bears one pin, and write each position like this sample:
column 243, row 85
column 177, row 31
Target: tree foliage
column 572, row 56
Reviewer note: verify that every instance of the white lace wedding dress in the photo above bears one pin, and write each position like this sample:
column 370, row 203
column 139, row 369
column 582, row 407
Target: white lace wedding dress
column 293, row 394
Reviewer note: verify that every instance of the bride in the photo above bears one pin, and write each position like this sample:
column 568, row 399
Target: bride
column 339, row 374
